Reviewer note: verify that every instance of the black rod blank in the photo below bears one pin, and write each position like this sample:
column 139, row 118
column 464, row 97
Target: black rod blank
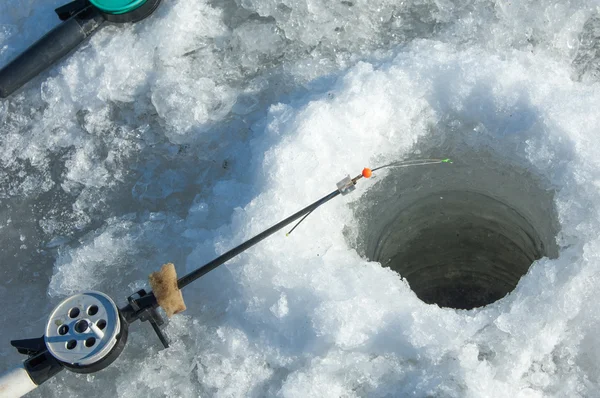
column 192, row 276
column 142, row 304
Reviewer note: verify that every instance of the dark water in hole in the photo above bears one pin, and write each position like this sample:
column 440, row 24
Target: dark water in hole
column 462, row 236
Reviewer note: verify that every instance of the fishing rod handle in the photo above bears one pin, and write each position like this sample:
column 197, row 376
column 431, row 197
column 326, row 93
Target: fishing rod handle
column 16, row 383
column 49, row 49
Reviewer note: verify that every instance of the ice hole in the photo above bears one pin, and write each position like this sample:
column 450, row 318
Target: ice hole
column 462, row 235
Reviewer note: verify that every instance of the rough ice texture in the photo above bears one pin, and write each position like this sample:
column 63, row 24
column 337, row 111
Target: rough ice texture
column 176, row 138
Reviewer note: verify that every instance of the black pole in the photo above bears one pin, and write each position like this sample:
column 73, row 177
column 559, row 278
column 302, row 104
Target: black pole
column 132, row 313
column 192, row 276
column 49, row 49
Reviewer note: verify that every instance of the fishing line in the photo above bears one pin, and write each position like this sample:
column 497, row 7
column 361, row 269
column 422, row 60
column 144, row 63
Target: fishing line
column 367, row 174
column 414, row 162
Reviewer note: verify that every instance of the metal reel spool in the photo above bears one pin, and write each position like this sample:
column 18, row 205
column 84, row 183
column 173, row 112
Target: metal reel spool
column 86, row 332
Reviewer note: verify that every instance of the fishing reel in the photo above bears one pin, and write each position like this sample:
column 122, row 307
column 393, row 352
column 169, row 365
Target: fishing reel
column 81, row 18
column 84, row 333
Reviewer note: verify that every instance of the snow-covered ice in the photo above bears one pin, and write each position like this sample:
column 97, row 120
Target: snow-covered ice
column 174, row 139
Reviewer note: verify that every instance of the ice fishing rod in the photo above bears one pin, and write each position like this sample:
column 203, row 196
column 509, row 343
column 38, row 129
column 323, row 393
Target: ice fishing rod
column 81, row 19
column 86, row 332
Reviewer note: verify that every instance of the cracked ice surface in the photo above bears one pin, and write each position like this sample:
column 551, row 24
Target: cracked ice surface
column 176, row 138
